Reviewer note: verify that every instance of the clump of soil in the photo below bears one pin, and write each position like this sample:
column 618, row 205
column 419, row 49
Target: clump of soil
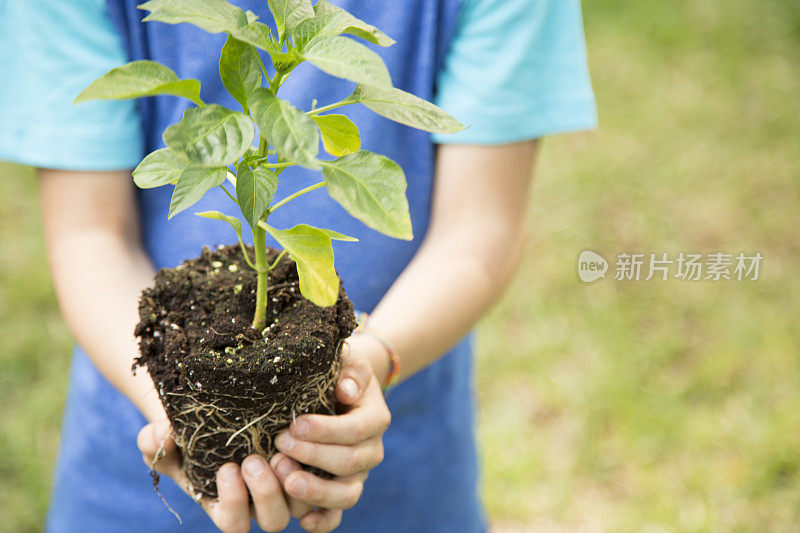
column 227, row 388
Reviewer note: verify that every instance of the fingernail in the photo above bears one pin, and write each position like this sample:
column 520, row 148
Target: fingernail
column 349, row 388
column 283, row 467
column 253, row 466
column 298, row 486
column 284, row 442
column 300, row 427
column 227, row 474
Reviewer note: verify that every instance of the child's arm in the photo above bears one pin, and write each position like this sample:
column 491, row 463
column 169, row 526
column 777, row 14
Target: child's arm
column 98, row 268
column 468, row 257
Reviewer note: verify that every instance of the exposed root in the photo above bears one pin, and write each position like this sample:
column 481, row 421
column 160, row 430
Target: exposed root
column 265, row 415
column 212, row 433
column 156, row 478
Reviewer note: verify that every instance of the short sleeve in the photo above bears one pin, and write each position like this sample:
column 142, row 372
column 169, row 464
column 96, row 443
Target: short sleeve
column 60, row 47
column 516, row 70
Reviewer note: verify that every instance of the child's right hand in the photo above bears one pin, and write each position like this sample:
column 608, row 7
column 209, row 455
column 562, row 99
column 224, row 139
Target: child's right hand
column 232, row 511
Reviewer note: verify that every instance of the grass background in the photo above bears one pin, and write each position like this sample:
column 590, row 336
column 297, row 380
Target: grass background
column 616, row 406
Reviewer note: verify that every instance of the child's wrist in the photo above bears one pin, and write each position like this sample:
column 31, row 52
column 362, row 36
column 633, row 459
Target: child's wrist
column 385, row 361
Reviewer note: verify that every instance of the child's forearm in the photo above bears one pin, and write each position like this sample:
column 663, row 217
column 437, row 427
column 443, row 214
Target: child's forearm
column 99, row 268
column 468, row 257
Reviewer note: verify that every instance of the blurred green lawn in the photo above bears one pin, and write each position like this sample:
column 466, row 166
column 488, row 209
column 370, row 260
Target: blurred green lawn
column 618, row 406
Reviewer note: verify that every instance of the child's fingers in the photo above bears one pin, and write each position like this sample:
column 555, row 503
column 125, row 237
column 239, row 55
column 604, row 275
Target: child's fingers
column 336, row 493
column 353, row 378
column 269, row 505
column 283, row 465
column 334, row 458
column 232, row 512
column 369, row 418
column 321, row 520
column 155, row 440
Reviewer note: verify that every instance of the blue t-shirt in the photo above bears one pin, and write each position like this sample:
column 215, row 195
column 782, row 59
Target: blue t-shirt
column 510, row 69
column 515, row 70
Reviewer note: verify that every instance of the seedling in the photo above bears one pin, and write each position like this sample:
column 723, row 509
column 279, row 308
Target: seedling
column 228, row 390
column 212, row 146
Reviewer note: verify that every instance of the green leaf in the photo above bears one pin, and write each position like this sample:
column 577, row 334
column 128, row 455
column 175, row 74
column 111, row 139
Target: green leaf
column 214, row 16
column 194, row 182
column 345, row 58
column 239, row 69
column 159, row 168
column 259, row 35
column 405, row 108
column 289, row 13
column 140, row 78
column 311, row 249
column 339, row 134
column 287, row 128
column 233, row 221
column 336, row 236
column 333, row 20
column 255, row 190
column 212, row 135
column 372, row 188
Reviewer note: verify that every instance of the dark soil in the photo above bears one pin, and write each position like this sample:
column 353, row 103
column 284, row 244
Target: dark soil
column 227, row 388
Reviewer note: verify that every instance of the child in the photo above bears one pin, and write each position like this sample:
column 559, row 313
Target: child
column 512, row 70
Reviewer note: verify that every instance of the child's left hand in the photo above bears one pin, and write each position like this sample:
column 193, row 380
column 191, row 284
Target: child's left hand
column 347, row 445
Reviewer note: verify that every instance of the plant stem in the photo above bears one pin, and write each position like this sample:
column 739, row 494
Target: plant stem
column 277, row 165
column 244, row 253
column 275, row 83
column 295, row 195
column 277, row 260
column 259, row 234
column 263, row 69
column 262, row 269
column 231, row 196
column 328, row 107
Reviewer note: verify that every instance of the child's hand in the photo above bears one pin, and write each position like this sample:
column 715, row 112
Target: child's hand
column 232, row 511
column 347, row 445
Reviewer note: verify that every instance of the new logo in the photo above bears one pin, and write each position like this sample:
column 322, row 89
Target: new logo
column 591, row 266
